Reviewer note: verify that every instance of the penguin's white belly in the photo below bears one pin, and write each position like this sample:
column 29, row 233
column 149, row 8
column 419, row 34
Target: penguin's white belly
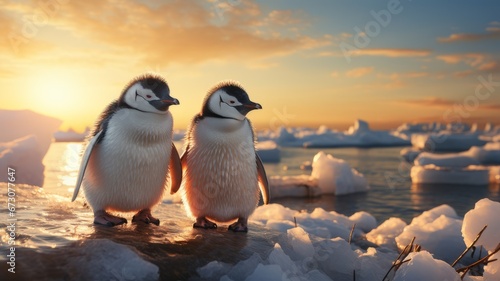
column 221, row 178
column 127, row 172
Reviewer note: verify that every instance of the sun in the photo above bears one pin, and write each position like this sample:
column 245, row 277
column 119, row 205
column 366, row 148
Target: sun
column 59, row 92
column 54, row 90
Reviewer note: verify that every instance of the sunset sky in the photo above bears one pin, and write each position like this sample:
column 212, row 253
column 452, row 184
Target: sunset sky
column 307, row 62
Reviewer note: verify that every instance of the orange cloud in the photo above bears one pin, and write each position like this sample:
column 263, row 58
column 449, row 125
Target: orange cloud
column 359, row 72
column 479, row 62
column 185, row 31
column 429, row 101
column 393, row 53
column 492, row 32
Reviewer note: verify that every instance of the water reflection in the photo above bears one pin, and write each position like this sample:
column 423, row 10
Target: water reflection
column 461, row 197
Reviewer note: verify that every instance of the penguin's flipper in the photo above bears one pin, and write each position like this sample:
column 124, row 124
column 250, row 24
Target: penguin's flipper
column 263, row 183
column 175, row 168
column 85, row 161
column 184, row 158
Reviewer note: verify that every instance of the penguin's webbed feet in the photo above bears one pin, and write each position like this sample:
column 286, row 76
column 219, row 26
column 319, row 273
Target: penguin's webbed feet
column 204, row 223
column 239, row 226
column 101, row 217
column 146, row 217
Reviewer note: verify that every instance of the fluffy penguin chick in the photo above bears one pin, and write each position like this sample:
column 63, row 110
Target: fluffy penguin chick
column 130, row 153
column 221, row 171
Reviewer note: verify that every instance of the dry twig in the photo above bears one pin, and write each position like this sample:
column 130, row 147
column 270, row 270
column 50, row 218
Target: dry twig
column 484, row 260
column 351, row 233
column 470, row 247
column 402, row 256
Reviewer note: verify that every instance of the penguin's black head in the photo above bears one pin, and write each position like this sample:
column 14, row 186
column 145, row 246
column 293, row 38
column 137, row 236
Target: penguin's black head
column 228, row 100
column 148, row 93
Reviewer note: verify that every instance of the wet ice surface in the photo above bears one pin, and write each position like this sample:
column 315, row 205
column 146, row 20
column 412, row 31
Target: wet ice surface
column 57, row 241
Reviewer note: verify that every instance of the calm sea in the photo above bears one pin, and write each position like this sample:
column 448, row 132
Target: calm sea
column 392, row 193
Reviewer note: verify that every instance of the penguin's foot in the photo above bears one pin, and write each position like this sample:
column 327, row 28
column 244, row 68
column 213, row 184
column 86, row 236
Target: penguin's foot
column 146, row 217
column 103, row 218
column 204, row 223
column 239, row 226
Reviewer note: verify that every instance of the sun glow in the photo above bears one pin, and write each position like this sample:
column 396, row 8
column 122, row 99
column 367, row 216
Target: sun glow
column 55, row 90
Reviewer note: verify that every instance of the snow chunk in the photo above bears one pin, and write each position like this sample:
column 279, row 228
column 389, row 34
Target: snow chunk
column 112, row 261
column 492, row 270
column 385, row 234
column 446, row 160
column 336, row 258
column 275, row 211
column 494, row 174
column 278, row 256
column 422, row 266
column 446, row 141
column 409, row 154
column 294, row 186
column 213, row 270
column 335, row 176
column 268, row 151
column 300, row 242
column 245, row 268
column 364, row 221
column 437, row 231
column 484, row 213
column 472, row 175
column 267, row 272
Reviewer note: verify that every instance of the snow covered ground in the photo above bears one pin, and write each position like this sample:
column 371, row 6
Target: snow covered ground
column 315, row 246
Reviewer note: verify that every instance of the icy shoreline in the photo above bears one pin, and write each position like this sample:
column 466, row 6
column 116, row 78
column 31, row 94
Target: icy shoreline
column 58, row 241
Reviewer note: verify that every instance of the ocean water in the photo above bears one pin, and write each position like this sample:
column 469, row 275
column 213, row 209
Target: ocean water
column 56, row 240
column 391, row 194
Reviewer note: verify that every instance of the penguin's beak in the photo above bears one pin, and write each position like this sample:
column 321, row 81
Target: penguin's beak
column 252, row 105
column 171, row 101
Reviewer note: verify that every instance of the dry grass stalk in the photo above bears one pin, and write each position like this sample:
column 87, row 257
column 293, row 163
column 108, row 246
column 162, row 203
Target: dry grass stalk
column 484, row 260
column 470, row 246
column 402, row 256
column 351, row 233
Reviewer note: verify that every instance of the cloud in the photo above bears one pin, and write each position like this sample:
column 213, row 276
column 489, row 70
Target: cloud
column 492, row 32
column 359, row 72
column 185, row 31
column 477, row 61
column 393, row 53
column 494, row 106
column 429, row 101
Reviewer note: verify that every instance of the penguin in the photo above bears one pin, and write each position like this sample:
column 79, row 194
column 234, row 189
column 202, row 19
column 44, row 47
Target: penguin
column 222, row 173
column 130, row 154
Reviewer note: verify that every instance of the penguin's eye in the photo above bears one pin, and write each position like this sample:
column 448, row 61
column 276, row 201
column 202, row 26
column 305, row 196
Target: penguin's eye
column 148, row 96
column 231, row 102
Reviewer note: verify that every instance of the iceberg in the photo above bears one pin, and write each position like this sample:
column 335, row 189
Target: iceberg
column 71, row 135
column 24, row 143
column 358, row 135
column 446, row 141
column 20, row 123
column 467, row 168
column 24, row 156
